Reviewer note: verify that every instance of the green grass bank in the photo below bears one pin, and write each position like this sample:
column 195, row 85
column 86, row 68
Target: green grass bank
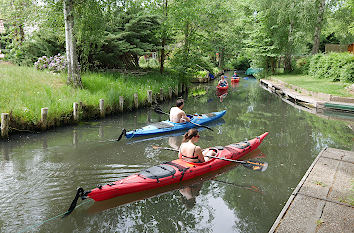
column 309, row 83
column 25, row 90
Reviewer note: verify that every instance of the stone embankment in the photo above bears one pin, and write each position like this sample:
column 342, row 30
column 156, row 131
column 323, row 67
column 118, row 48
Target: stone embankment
column 323, row 200
column 313, row 102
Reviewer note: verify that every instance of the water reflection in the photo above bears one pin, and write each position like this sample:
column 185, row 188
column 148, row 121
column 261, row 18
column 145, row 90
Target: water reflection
column 222, row 95
column 175, row 142
column 189, row 194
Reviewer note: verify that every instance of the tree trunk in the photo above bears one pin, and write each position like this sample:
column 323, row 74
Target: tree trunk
column 272, row 64
column 221, row 58
column 163, row 43
column 136, row 60
column 289, row 50
column 74, row 77
column 316, row 38
column 186, row 39
column 287, row 63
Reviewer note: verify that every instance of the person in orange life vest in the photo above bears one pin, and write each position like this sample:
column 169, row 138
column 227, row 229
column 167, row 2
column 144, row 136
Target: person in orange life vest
column 177, row 115
column 189, row 152
column 235, row 74
column 222, row 82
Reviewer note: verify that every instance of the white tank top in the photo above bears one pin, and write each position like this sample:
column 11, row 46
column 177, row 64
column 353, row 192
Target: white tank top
column 175, row 114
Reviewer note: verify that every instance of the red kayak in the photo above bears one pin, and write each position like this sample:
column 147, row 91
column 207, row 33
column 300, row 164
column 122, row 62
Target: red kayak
column 219, row 88
column 235, row 79
column 169, row 173
column 173, row 172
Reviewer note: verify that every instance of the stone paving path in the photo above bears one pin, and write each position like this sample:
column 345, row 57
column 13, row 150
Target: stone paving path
column 323, row 200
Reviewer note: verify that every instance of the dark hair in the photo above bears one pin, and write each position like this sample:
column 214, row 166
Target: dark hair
column 191, row 133
column 179, row 102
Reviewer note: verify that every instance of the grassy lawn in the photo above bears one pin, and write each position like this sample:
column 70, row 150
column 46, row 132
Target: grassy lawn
column 316, row 85
column 25, row 90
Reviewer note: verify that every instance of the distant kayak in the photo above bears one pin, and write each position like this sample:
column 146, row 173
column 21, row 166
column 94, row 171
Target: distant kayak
column 168, row 126
column 235, row 79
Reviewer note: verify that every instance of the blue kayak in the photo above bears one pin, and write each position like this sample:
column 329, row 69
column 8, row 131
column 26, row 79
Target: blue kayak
column 168, row 126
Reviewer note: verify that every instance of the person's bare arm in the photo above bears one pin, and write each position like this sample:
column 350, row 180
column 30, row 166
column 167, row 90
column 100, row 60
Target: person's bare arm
column 184, row 116
column 198, row 151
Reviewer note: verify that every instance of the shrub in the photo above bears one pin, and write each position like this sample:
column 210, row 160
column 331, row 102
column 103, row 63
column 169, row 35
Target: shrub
column 42, row 63
column 302, row 65
column 215, row 71
column 56, row 64
column 334, row 66
column 153, row 63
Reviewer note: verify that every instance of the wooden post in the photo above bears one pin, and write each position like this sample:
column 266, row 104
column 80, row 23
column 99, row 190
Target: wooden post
column 76, row 111
column 121, row 103
column 102, row 111
column 5, row 117
column 170, row 92
column 149, row 94
column 161, row 94
column 44, row 118
column 136, row 100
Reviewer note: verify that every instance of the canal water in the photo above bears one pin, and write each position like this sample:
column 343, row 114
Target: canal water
column 39, row 173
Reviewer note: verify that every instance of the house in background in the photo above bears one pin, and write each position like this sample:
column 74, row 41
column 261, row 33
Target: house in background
column 351, row 48
column 339, row 48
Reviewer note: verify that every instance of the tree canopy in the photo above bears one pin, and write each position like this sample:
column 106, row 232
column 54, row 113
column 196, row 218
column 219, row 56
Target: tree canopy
column 192, row 35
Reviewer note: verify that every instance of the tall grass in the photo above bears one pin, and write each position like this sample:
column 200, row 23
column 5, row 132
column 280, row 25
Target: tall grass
column 24, row 91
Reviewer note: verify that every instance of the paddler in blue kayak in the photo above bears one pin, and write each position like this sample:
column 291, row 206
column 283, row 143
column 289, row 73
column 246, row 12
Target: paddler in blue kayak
column 189, row 152
column 177, row 115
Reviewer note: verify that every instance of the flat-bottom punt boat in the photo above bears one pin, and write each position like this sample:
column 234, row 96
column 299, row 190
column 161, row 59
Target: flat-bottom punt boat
column 172, row 172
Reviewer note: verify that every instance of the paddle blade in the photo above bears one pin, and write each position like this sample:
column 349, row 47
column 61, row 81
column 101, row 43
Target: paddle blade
column 124, row 131
column 159, row 111
column 256, row 165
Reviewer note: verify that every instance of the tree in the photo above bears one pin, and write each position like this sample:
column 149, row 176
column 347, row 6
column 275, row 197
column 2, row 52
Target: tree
column 164, row 35
column 321, row 4
column 74, row 77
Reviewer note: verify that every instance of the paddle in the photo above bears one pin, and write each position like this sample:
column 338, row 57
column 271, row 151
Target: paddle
column 253, row 165
column 158, row 110
column 249, row 187
column 124, row 131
